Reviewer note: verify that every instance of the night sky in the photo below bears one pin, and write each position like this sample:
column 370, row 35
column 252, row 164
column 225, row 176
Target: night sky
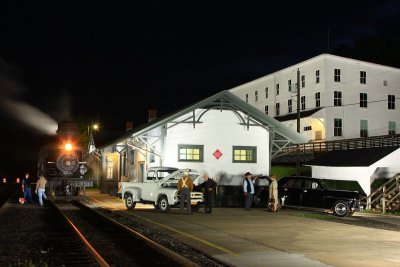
column 111, row 62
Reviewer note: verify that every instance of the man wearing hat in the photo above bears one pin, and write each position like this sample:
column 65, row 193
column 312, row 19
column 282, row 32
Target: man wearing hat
column 185, row 186
column 248, row 190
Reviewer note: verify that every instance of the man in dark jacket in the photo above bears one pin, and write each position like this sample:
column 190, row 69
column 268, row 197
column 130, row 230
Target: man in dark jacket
column 26, row 189
column 209, row 186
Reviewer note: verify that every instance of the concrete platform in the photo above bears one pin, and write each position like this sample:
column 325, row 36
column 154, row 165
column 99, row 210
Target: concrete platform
column 260, row 238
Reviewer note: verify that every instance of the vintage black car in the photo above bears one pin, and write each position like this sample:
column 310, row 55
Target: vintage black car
column 314, row 193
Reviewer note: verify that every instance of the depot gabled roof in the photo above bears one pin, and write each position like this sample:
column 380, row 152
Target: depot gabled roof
column 281, row 135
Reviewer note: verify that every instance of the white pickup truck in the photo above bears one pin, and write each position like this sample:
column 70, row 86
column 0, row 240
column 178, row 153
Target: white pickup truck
column 159, row 188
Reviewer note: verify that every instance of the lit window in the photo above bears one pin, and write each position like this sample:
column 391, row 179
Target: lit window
column 392, row 127
column 317, row 99
column 337, row 127
column 317, row 76
column 363, row 128
column 244, row 154
column 337, row 98
column 110, row 168
column 303, row 103
column 191, row 153
column 363, row 77
column 337, row 75
column 289, row 103
column 363, row 100
column 391, row 102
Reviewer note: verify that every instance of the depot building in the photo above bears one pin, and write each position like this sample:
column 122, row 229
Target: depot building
column 222, row 135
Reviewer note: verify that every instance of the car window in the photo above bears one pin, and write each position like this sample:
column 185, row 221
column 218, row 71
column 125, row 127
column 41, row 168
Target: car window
column 164, row 173
column 293, row 183
column 311, row 185
column 151, row 175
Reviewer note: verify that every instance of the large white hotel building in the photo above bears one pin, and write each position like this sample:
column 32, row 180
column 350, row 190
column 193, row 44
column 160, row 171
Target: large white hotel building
column 340, row 98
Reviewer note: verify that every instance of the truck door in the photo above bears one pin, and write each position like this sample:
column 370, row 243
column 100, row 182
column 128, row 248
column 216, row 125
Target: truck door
column 149, row 192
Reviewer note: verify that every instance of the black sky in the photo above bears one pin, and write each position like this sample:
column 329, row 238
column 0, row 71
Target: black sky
column 112, row 61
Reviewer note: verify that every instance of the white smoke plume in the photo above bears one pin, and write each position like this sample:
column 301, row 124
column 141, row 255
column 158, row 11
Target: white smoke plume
column 29, row 115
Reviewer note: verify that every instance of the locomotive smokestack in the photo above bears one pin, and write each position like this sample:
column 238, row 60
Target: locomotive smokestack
column 68, row 129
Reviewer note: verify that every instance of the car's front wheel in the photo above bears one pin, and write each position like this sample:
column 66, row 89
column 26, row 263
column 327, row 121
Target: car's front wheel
column 129, row 202
column 163, row 204
column 341, row 208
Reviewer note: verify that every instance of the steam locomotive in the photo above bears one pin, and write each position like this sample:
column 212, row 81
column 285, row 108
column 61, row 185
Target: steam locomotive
column 60, row 161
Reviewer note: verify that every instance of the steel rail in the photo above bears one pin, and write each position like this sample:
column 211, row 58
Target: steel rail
column 99, row 259
column 178, row 259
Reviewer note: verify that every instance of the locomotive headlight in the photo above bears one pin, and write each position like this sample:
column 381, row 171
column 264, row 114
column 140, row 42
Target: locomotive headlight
column 68, row 147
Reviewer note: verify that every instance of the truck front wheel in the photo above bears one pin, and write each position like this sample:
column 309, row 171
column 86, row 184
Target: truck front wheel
column 129, row 203
column 163, row 204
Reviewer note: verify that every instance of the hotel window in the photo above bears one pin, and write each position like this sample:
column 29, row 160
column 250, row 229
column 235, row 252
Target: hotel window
column 289, row 83
column 391, row 102
column 256, row 96
column 337, row 127
column 289, row 103
column 307, row 128
column 277, row 107
column 337, row 98
column 110, row 168
column 363, row 100
column 317, row 76
column 266, row 109
column 303, row 81
column 303, row 103
column 392, row 127
column 363, row 128
column 317, row 99
column 363, row 77
column 244, row 154
column 247, row 98
column 266, row 92
column 277, row 89
column 193, row 153
column 337, row 75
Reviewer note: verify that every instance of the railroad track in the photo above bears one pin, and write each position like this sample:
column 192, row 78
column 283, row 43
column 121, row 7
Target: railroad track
column 114, row 244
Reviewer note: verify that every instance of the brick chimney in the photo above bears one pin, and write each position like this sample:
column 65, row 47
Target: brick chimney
column 152, row 114
column 129, row 125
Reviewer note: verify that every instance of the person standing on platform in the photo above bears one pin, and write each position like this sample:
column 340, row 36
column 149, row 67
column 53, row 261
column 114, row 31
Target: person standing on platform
column 209, row 186
column 273, row 194
column 26, row 188
column 185, row 187
column 41, row 188
column 248, row 190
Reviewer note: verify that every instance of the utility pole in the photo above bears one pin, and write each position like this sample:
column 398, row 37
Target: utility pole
column 298, row 123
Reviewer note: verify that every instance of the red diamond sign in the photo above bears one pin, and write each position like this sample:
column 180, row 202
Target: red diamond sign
column 217, row 154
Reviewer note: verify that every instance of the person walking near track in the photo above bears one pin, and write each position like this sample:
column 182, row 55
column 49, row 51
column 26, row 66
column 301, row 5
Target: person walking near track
column 26, row 188
column 41, row 188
